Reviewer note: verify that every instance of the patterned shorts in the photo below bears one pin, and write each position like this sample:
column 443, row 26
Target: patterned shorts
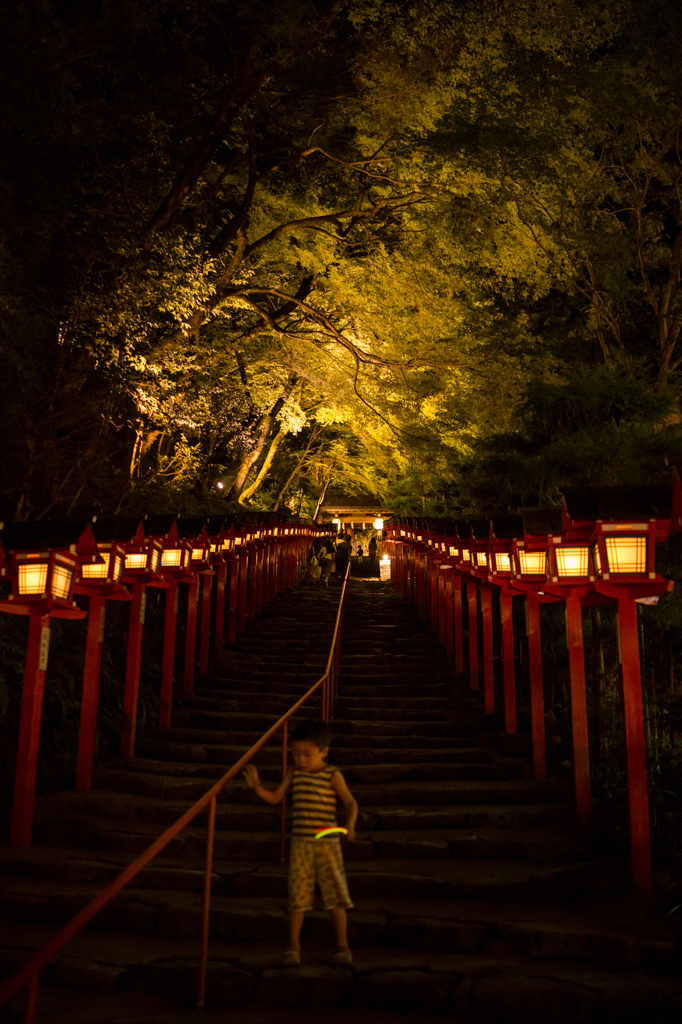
column 318, row 861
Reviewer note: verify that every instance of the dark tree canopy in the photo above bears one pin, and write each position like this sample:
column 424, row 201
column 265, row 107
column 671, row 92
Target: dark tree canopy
column 430, row 250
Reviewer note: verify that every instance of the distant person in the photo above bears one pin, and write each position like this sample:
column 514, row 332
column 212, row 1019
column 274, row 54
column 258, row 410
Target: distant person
column 343, row 550
column 313, row 560
column 360, row 552
column 373, row 549
column 326, row 560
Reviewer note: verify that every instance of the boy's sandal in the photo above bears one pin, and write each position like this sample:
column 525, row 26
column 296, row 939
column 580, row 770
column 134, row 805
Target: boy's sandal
column 291, row 958
column 343, row 956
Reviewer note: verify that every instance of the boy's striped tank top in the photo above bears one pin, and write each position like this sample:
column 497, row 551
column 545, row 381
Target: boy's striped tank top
column 313, row 803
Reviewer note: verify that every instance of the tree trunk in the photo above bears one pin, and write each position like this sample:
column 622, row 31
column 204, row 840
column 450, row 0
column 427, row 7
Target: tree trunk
column 263, row 472
column 263, row 431
column 322, row 494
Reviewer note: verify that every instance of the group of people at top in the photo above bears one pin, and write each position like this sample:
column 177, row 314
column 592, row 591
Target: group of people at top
column 330, row 556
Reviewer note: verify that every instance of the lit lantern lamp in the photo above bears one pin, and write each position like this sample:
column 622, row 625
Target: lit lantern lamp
column 623, row 524
column 481, row 565
column 504, row 530
column 43, row 568
column 378, row 523
column 466, row 563
column 193, row 530
column 531, row 570
column 101, row 558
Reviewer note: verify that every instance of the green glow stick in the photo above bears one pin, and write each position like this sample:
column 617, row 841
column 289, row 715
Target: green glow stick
column 319, row 832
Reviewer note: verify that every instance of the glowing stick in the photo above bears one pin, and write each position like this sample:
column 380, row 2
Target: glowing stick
column 320, row 832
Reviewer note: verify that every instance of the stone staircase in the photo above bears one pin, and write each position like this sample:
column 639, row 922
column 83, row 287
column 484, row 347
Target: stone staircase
column 474, row 895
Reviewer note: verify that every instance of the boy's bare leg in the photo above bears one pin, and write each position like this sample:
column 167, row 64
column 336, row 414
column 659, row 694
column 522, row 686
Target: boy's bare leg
column 338, row 916
column 295, row 925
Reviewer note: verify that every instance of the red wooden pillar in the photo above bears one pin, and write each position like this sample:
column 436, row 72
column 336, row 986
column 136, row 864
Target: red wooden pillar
column 191, row 637
column 29, row 729
column 413, row 574
column 488, row 669
column 508, row 662
column 253, row 575
column 88, row 723
column 132, row 683
column 458, row 625
column 168, row 665
column 433, row 594
column 449, row 574
column 473, row 634
column 635, row 744
column 267, row 572
column 419, row 579
column 220, row 612
column 440, row 581
column 205, row 641
column 581, row 749
column 274, row 569
column 232, row 617
column 258, row 565
column 537, row 701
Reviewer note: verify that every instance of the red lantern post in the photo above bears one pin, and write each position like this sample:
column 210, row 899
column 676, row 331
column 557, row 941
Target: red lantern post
column 44, row 565
column 625, row 523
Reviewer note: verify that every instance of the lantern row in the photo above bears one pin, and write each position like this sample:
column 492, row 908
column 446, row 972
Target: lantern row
column 49, row 564
column 598, row 548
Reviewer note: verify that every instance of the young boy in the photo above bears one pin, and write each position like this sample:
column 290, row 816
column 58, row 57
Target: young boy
column 316, row 786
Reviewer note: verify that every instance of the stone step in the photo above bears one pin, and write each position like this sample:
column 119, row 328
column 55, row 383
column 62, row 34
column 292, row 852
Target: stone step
column 344, row 708
column 190, row 782
column 261, row 817
column 122, row 973
column 272, row 754
column 358, row 698
column 412, row 746
column 159, row 898
column 388, row 690
column 437, row 768
column 488, row 842
column 460, row 723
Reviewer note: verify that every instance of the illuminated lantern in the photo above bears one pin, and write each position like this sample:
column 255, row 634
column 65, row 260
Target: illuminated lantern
column 531, row 570
column 504, row 530
column 101, row 558
column 378, row 524
column 43, row 568
column 623, row 525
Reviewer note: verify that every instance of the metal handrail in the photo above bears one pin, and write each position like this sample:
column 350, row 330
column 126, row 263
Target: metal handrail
column 29, row 974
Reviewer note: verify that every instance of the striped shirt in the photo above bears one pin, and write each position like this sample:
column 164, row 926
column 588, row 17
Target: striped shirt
column 313, row 803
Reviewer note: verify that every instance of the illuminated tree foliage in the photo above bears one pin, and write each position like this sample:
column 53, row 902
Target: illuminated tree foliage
column 430, row 250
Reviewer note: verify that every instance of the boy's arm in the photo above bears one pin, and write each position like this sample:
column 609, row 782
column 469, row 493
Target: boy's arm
column 349, row 802
column 270, row 796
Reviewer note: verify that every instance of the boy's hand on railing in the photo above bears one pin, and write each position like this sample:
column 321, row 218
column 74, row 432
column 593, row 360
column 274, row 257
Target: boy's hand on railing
column 250, row 773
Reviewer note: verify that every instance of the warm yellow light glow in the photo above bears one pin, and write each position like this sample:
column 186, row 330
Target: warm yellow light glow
column 227, row 544
column 419, row 537
column 61, row 581
column 502, row 562
column 99, row 571
column 465, row 554
column 378, row 524
column 453, row 551
column 533, row 563
column 136, row 561
column 626, row 554
column 32, row 578
column 572, row 561
column 156, row 558
column 214, row 549
column 197, row 554
column 481, row 559
column 171, row 557
column 119, row 568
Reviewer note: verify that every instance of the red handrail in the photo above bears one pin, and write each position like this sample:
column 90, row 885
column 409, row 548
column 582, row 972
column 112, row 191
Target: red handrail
column 29, row 974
